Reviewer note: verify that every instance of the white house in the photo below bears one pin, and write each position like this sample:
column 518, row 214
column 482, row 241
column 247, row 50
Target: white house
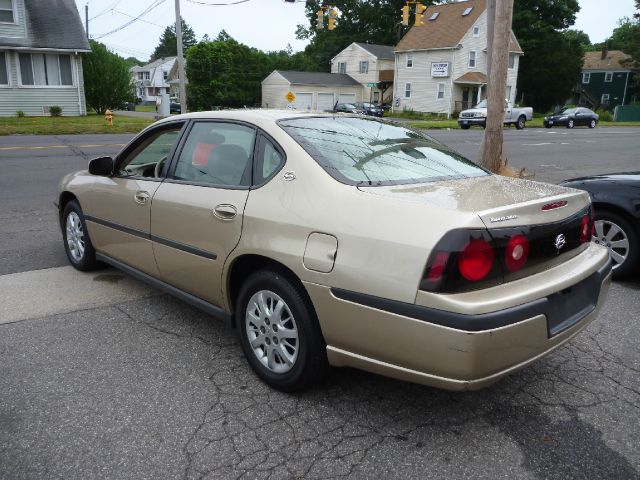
column 371, row 65
column 441, row 66
column 40, row 57
column 152, row 79
column 312, row 90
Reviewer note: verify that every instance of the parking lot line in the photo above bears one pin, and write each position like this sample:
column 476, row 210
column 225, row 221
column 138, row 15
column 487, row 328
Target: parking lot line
column 40, row 293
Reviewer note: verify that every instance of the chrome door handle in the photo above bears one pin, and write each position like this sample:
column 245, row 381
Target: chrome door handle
column 141, row 197
column 225, row 211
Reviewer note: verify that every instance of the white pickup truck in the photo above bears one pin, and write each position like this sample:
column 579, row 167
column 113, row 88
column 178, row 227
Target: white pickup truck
column 477, row 115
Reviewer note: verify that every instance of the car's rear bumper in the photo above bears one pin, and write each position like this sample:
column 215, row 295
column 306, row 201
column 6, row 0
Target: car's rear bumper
column 413, row 343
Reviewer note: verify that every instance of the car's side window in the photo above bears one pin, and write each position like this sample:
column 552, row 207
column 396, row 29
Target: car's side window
column 149, row 156
column 217, row 154
column 269, row 159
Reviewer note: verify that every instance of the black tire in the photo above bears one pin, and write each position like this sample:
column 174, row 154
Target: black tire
column 630, row 264
column 570, row 123
column 592, row 123
column 465, row 127
column 521, row 123
column 87, row 261
column 310, row 365
column 546, row 125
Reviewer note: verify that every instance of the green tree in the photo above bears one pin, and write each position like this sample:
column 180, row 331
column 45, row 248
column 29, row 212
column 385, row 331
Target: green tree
column 133, row 62
column 168, row 43
column 107, row 83
column 552, row 59
column 579, row 37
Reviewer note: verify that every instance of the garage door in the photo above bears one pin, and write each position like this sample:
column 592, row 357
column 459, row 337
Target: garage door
column 303, row 101
column 325, row 101
column 347, row 98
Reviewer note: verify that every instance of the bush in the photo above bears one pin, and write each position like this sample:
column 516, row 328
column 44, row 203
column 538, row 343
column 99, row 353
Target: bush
column 55, row 111
column 605, row 115
column 20, row 113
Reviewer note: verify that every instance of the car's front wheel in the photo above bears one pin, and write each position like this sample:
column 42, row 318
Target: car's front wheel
column 77, row 243
column 279, row 331
column 592, row 123
column 465, row 127
column 570, row 124
column 617, row 234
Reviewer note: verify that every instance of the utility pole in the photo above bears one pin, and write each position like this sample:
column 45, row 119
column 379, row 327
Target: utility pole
column 86, row 18
column 181, row 78
column 492, row 156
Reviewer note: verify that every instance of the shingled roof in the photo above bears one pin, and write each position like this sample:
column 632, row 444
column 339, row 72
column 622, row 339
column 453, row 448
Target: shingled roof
column 447, row 30
column 51, row 24
column 613, row 60
column 318, row 78
column 383, row 52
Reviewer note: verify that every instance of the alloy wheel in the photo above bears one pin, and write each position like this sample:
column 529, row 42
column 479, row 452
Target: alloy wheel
column 272, row 331
column 75, row 236
column 614, row 238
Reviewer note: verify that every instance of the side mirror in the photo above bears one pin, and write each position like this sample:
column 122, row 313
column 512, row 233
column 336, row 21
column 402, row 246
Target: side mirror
column 102, row 166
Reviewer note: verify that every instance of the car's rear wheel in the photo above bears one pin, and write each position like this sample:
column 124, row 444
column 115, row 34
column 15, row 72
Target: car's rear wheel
column 570, row 124
column 546, row 125
column 521, row 123
column 617, row 234
column 592, row 123
column 77, row 243
column 279, row 331
column 465, row 127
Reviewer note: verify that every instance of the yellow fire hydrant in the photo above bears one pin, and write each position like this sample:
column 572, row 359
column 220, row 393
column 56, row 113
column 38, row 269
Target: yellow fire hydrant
column 108, row 116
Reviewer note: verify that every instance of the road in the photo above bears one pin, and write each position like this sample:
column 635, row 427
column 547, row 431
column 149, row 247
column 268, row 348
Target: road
column 102, row 377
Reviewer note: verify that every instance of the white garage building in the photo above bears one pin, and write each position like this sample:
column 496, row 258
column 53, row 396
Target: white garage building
column 312, row 90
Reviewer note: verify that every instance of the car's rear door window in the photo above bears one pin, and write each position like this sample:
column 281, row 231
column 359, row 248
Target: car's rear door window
column 363, row 151
column 217, row 154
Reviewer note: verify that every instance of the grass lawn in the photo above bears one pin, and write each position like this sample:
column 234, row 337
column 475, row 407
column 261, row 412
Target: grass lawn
column 535, row 123
column 91, row 123
column 145, row 108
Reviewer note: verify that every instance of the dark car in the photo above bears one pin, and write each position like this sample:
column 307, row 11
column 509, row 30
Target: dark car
column 573, row 117
column 347, row 108
column 174, row 107
column 616, row 201
column 370, row 109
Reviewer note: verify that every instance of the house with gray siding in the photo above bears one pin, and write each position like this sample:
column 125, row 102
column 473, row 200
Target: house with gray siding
column 41, row 42
column 153, row 79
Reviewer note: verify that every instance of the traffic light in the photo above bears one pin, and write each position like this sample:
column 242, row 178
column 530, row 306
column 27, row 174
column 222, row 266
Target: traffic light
column 405, row 15
column 320, row 21
column 333, row 13
column 419, row 15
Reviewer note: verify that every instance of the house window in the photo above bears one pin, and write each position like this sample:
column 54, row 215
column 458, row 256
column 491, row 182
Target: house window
column 434, row 15
column 6, row 11
column 476, row 31
column 147, row 75
column 4, row 74
column 140, row 75
column 45, row 69
column 342, row 67
column 586, row 77
column 608, row 77
column 364, row 67
column 409, row 60
column 509, row 92
column 165, row 74
column 472, row 59
column 467, row 11
column 440, row 94
column 512, row 61
column 407, row 90
column 605, row 98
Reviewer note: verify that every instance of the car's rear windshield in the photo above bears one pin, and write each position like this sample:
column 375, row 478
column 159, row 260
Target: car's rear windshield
column 360, row 151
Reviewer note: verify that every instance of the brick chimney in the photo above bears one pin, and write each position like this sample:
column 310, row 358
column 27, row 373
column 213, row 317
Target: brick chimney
column 605, row 50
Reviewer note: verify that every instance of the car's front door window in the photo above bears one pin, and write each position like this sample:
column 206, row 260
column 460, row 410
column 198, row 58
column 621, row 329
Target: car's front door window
column 149, row 156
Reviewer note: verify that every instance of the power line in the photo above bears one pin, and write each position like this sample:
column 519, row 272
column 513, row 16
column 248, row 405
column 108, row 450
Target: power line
column 153, row 5
column 106, row 10
column 206, row 4
column 140, row 19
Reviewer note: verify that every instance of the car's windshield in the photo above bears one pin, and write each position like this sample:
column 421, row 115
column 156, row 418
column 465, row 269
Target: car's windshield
column 362, row 151
column 569, row 111
column 482, row 104
column 346, row 105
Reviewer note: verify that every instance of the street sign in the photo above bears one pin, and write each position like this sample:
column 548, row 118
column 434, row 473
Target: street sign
column 372, row 85
column 290, row 97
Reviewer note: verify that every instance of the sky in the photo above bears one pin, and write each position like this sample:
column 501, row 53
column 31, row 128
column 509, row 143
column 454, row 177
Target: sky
column 264, row 24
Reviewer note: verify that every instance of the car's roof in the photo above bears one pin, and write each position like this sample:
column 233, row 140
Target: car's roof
column 249, row 114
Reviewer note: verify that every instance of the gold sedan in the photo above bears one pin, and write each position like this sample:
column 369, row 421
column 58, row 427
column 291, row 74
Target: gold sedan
column 342, row 240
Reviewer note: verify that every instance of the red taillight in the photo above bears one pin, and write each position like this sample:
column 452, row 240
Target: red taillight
column 516, row 253
column 585, row 229
column 437, row 269
column 475, row 260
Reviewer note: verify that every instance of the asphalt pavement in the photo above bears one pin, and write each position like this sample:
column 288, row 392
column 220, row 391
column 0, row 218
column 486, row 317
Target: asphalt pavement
column 102, row 377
